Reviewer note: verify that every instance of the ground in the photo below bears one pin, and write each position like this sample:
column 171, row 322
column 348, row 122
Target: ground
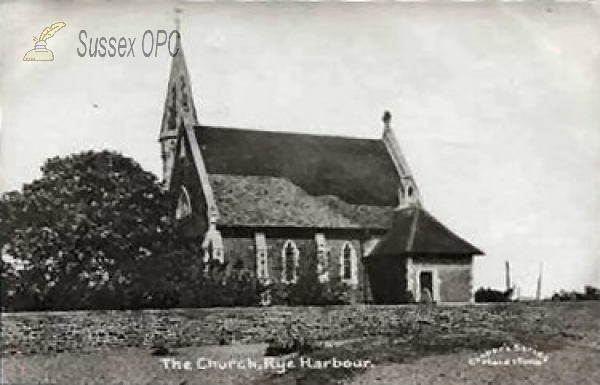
column 431, row 353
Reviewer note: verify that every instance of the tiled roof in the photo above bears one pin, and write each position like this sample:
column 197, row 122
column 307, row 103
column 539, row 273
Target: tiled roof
column 414, row 230
column 356, row 171
column 265, row 201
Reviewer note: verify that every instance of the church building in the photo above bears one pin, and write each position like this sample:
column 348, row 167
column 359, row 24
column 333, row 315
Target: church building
column 273, row 201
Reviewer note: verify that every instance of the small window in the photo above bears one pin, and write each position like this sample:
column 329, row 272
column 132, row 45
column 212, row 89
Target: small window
column 182, row 153
column 184, row 205
column 263, row 272
column 348, row 264
column 290, row 256
column 262, row 266
column 324, row 261
column 322, row 257
column 208, row 256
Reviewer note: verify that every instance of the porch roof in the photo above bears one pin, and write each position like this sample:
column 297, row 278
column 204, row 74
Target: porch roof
column 415, row 231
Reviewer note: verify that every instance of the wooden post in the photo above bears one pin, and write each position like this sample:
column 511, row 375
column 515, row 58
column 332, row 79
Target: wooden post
column 538, row 294
column 507, row 277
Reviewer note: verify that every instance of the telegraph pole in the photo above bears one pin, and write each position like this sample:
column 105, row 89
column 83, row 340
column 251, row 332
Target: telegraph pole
column 538, row 294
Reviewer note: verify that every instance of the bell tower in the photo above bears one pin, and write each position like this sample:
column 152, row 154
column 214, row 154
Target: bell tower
column 179, row 110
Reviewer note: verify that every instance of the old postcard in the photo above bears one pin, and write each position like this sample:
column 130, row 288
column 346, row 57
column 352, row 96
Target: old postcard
column 300, row 192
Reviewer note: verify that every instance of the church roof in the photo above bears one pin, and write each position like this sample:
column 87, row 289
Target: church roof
column 414, row 230
column 359, row 171
column 248, row 200
column 285, row 179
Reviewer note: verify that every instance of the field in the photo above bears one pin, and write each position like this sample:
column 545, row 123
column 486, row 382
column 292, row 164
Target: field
column 442, row 352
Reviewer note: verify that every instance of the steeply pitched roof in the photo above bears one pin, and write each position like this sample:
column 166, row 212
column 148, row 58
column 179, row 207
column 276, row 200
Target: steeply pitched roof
column 179, row 103
column 414, row 230
column 265, row 201
column 357, row 171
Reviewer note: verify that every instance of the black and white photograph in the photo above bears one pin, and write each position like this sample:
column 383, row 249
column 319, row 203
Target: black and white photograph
column 284, row 193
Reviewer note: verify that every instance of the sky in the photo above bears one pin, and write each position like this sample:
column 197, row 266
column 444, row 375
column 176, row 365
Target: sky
column 496, row 106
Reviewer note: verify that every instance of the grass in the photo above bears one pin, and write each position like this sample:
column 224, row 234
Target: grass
column 563, row 324
column 553, row 327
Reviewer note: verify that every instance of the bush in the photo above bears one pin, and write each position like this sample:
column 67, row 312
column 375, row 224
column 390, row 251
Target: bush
column 282, row 348
column 590, row 293
column 309, row 290
column 303, row 294
column 491, row 295
column 293, row 342
column 237, row 287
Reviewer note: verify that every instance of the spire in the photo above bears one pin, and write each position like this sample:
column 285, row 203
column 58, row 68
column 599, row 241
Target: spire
column 179, row 103
column 408, row 192
column 179, row 109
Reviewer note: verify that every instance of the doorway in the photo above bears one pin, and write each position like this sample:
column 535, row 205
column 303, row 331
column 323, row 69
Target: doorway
column 426, row 286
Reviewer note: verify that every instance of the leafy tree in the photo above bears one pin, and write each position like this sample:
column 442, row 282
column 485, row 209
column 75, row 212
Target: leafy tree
column 92, row 232
column 7, row 284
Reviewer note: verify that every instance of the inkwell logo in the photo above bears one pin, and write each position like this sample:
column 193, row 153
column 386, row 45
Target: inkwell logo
column 40, row 52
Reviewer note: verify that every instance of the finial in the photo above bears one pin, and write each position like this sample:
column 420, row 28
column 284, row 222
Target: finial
column 178, row 12
column 387, row 119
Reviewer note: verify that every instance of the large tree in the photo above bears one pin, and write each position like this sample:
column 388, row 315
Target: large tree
column 94, row 231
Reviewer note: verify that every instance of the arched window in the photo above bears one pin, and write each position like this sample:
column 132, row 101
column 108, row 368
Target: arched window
column 213, row 246
column 348, row 264
column 290, row 256
column 408, row 192
column 184, row 205
column 208, row 253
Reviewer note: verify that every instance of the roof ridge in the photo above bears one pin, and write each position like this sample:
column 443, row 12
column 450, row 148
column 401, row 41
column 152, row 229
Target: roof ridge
column 291, row 133
column 359, row 170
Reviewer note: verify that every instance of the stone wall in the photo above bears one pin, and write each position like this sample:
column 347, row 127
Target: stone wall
column 35, row 333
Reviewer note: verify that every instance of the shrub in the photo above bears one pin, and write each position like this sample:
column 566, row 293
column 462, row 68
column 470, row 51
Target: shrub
column 491, row 295
column 282, row 348
column 293, row 341
column 590, row 293
column 309, row 290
